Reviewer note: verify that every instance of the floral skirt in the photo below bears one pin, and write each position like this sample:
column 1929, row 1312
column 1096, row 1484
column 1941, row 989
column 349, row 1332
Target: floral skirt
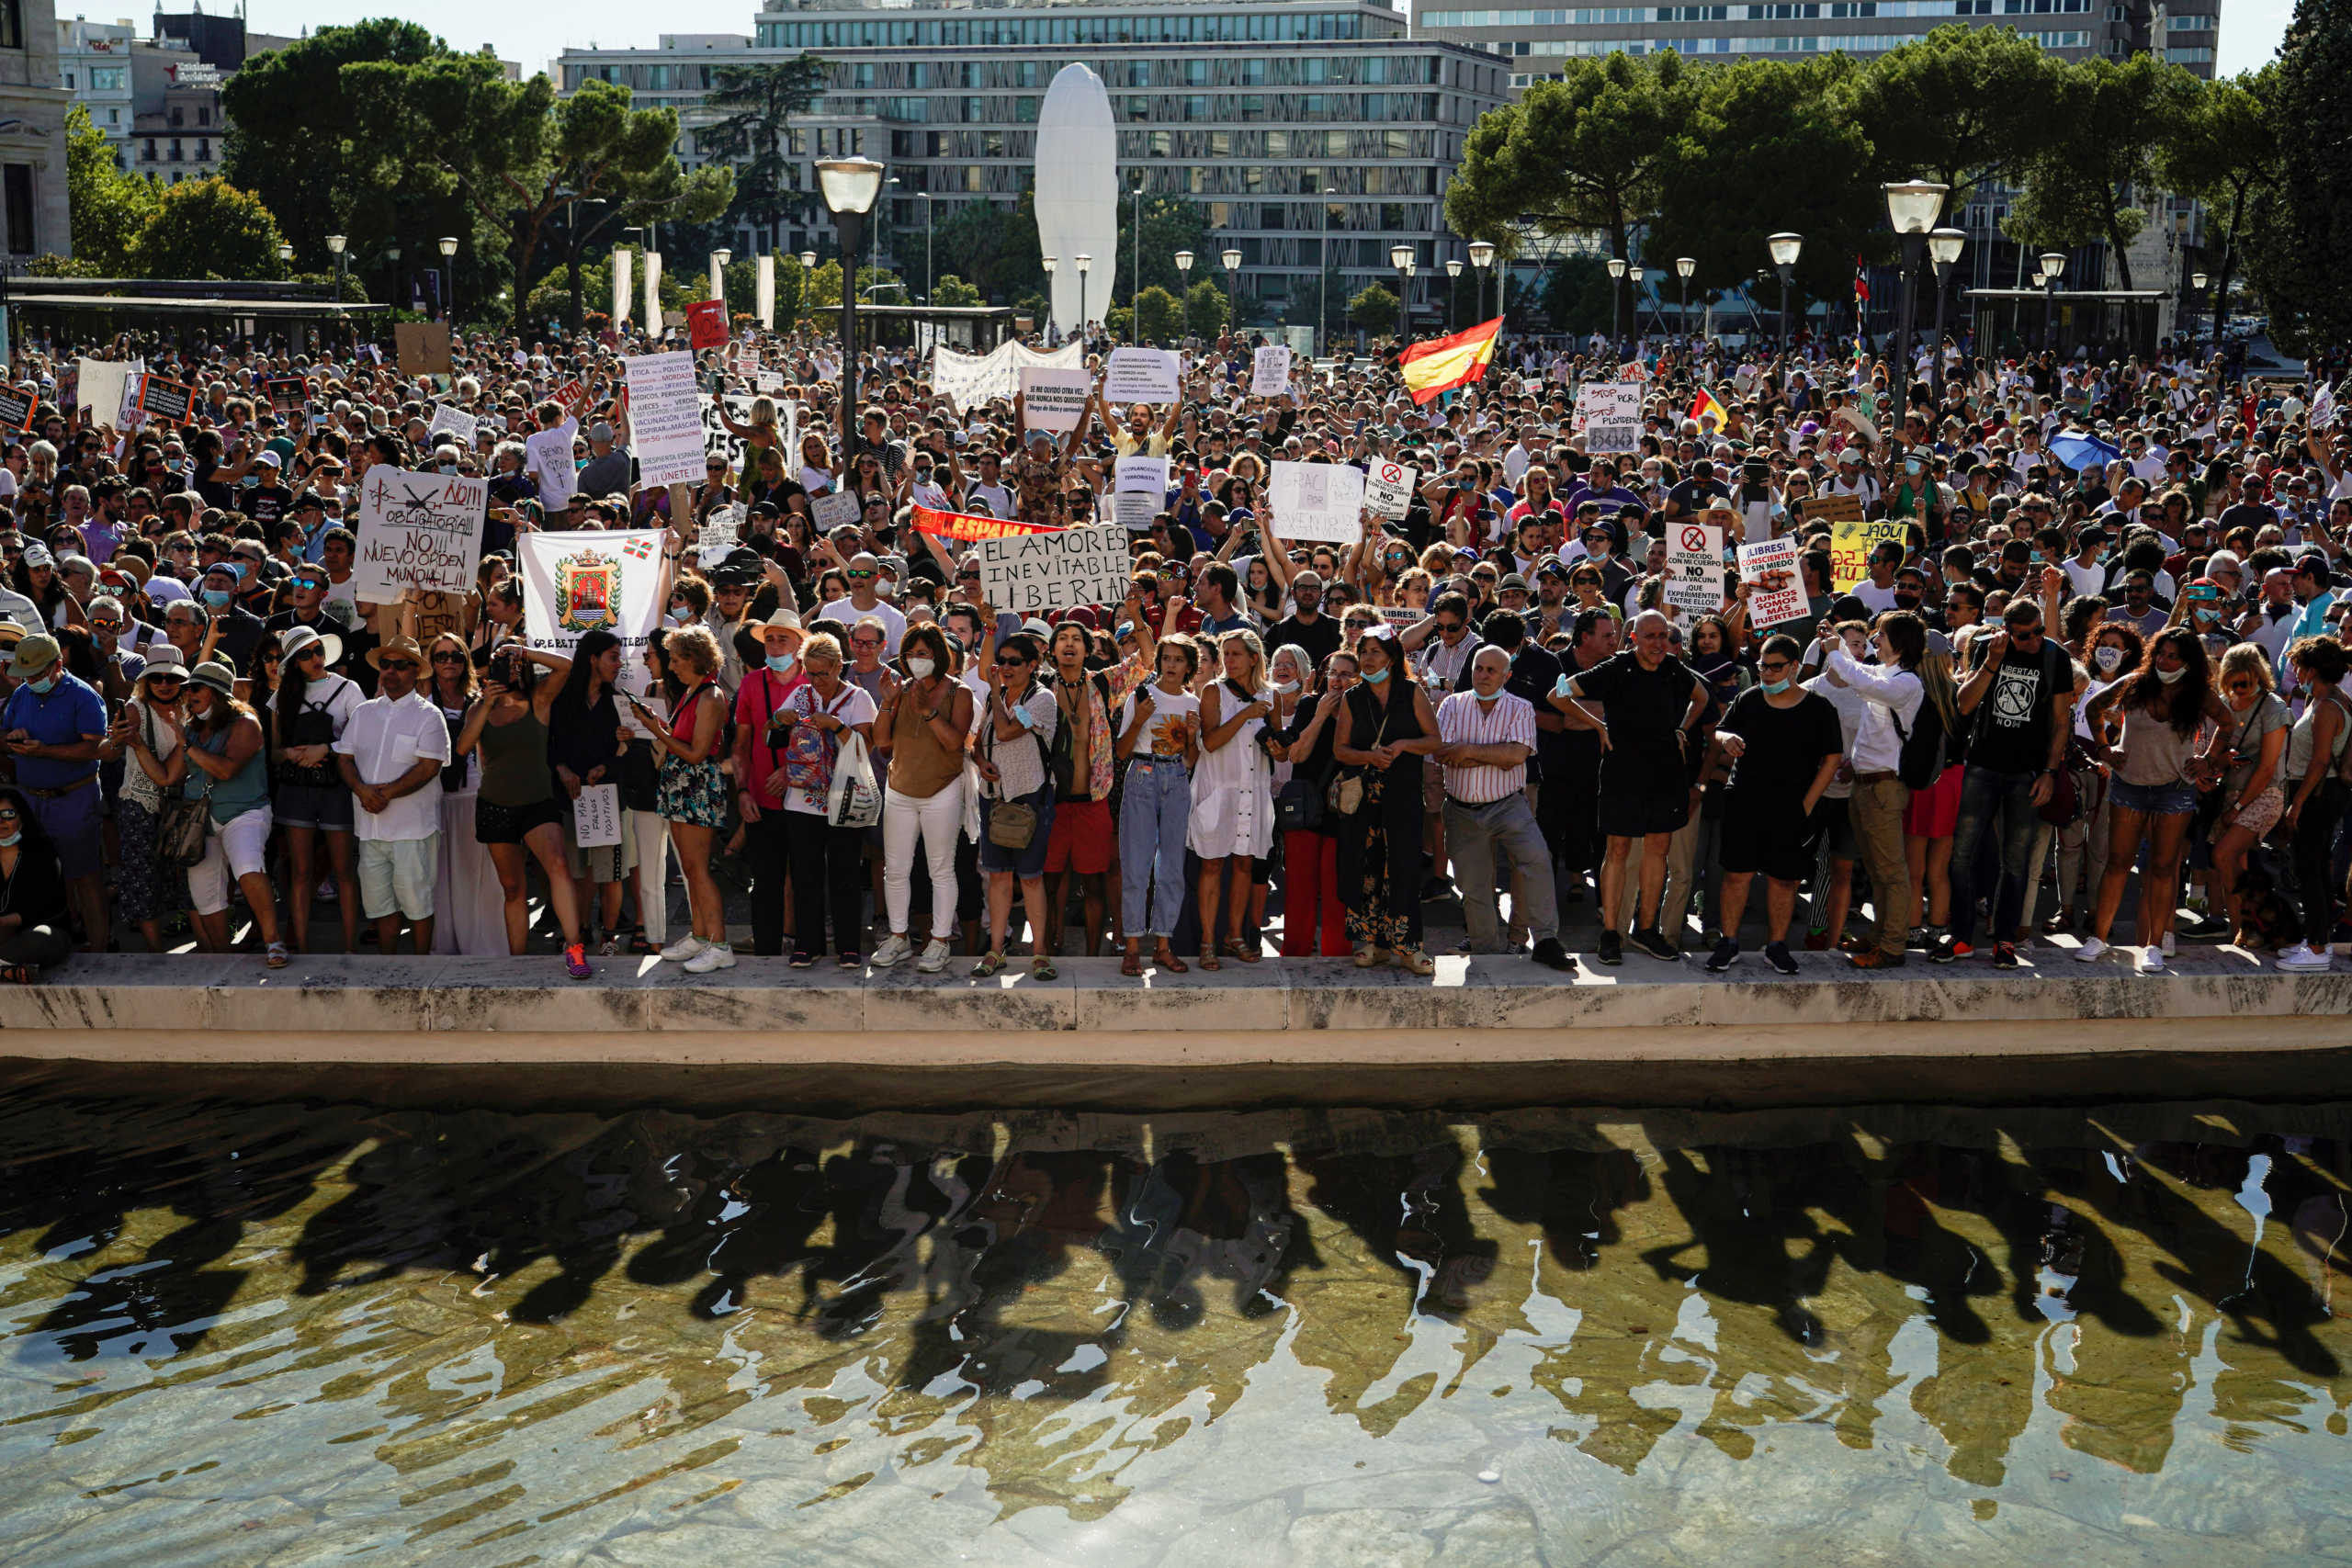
column 144, row 889
column 693, row 792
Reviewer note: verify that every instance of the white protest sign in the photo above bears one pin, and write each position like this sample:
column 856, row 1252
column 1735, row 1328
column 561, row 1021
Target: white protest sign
column 1694, row 566
column 1030, row 573
column 1054, row 399
column 1776, row 585
column 417, row 531
column 1610, row 414
column 1140, row 375
column 103, row 386
column 969, row 381
column 1140, row 491
column 720, row 442
column 665, row 418
column 834, row 508
column 446, row 418
column 1318, row 502
column 574, row 583
column 596, row 816
column 721, row 532
column 769, row 381
column 1389, row 488
column 1270, row 371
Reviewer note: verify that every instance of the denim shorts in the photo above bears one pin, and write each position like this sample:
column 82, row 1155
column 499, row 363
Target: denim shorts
column 2172, row 799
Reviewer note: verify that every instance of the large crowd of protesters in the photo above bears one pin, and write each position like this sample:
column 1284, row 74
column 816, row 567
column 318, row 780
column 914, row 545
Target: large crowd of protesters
column 2101, row 653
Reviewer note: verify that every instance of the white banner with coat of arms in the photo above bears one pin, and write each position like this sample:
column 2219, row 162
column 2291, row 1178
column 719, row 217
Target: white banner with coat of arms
column 576, row 583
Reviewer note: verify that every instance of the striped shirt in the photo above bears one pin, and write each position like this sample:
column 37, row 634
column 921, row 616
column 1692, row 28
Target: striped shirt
column 1463, row 719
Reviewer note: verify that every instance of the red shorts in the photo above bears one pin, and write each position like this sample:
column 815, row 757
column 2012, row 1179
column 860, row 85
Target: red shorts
column 1082, row 839
column 1934, row 812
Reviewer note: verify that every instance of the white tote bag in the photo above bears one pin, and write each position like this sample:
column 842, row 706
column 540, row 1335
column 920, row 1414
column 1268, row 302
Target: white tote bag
column 855, row 800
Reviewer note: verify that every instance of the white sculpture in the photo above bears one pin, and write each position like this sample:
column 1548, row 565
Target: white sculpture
column 1078, row 194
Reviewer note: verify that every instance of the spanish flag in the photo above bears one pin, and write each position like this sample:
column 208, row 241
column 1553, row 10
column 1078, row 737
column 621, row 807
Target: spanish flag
column 1704, row 408
column 1444, row 362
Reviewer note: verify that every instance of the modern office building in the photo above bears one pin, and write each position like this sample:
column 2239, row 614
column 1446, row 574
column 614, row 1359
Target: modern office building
column 1538, row 42
column 1310, row 131
column 34, row 216
column 93, row 64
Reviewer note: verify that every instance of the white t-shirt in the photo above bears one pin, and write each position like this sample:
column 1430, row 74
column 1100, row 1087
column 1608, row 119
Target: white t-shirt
column 547, row 459
column 847, row 615
column 999, row 498
column 1154, row 741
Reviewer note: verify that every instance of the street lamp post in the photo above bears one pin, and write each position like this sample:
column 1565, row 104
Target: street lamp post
column 1943, row 249
column 392, row 254
column 1683, row 268
column 1785, row 248
column 2054, row 267
column 807, row 275
column 1634, row 275
column 1232, row 260
column 1912, row 207
column 1453, row 295
column 1402, row 258
column 2197, row 285
column 1482, row 256
column 1616, row 300
column 1135, row 276
column 1084, row 261
column 1049, row 262
column 719, row 260
column 850, row 186
column 449, row 276
column 928, row 286
column 1183, row 294
column 335, row 243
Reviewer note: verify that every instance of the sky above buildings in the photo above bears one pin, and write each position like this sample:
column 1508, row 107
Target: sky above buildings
column 533, row 35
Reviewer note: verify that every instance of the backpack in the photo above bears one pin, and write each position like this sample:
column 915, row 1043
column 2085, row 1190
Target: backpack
column 1921, row 761
column 809, row 753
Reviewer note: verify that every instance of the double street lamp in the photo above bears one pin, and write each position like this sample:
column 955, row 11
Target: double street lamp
column 1616, row 272
column 1944, row 246
column 2054, row 267
column 1785, row 248
column 1912, row 207
column 1084, row 261
column 2196, row 281
column 1683, row 268
column 448, row 244
column 850, row 186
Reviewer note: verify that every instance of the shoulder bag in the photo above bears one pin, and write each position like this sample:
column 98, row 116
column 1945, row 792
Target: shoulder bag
column 184, row 820
column 1011, row 823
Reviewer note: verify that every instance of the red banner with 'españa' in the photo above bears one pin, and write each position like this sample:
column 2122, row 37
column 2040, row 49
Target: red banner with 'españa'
column 966, row 526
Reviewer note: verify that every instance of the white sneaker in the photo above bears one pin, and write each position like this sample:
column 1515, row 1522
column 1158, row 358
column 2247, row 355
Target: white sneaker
column 683, row 949
column 2168, row 944
column 2089, row 951
column 2301, row 957
column 934, row 957
column 895, row 949
column 2151, row 961
column 714, row 955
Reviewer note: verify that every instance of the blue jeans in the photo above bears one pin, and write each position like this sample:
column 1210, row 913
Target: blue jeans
column 1155, row 809
column 1984, row 792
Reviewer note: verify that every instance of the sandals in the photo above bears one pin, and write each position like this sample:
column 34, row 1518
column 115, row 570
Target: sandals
column 990, row 963
column 1132, row 966
column 1369, row 956
column 21, row 975
column 1238, row 949
column 1166, row 959
column 1415, row 961
column 1040, row 967
column 278, row 957
column 1208, row 956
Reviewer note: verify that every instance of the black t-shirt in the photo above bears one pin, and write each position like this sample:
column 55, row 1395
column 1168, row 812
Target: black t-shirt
column 267, row 503
column 1784, row 748
column 1320, row 637
column 2011, row 728
column 1646, row 707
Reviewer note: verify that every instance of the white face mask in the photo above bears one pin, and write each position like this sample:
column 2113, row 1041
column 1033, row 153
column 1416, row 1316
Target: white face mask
column 920, row 668
column 2108, row 657
column 2169, row 676
column 1287, row 688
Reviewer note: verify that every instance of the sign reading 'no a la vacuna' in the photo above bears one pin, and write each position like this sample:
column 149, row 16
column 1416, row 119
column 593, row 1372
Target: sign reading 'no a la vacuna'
column 1032, row 573
column 417, row 531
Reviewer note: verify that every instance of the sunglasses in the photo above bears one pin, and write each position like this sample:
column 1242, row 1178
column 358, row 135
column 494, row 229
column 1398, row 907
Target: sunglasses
column 857, row 575
column 310, row 653
column 8, row 816
column 398, row 664
column 449, row 659
column 165, row 680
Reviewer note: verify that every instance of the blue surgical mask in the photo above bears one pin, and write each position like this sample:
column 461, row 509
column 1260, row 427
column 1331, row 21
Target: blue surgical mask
column 1774, row 688
column 781, row 662
column 10, row 841
column 1376, row 677
column 45, row 685
column 216, row 597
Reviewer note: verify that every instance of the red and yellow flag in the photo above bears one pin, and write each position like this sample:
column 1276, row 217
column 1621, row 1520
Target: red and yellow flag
column 1704, row 408
column 965, row 526
column 1443, row 364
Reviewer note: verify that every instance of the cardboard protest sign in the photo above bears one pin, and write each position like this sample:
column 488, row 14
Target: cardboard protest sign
column 1140, row 375
column 166, row 400
column 1317, row 502
column 1776, row 583
column 833, row 509
column 1140, row 491
column 1389, row 488
column 721, row 532
column 1053, row 398
column 1851, row 544
column 964, row 527
column 105, row 387
column 767, row 381
column 707, row 324
column 1059, row 569
column 1694, row 566
column 596, row 816
column 574, row 583
column 1610, row 414
column 17, row 408
column 286, row 391
column 446, row 418
column 1270, row 371
column 422, row 348
column 417, row 530
column 664, row 418
column 1828, row 508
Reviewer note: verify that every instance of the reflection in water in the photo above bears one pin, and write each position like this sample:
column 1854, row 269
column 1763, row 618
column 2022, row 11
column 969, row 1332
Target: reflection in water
column 288, row 1332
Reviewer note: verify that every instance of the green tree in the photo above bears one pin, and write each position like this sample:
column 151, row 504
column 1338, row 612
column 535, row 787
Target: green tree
column 295, row 141
column 110, row 207
column 2300, row 267
column 207, row 229
column 2096, row 164
column 2223, row 150
column 994, row 250
column 1373, row 308
column 1961, row 107
column 1205, row 306
column 1162, row 315
column 824, row 290
column 953, row 290
column 1577, row 155
column 755, row 103
column 1170, row 223
column 1575, row 295
column 661, row 193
